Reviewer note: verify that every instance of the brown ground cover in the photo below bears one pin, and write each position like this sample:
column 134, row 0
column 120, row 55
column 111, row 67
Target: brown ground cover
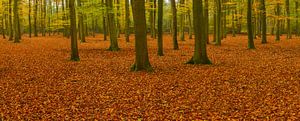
column 38, row 82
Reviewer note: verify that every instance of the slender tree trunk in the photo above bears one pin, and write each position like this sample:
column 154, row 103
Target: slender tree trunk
column 141, row 55
column 174, row 21
column 215, row 27
column 297, row 17
column 263, row 22
column 29, row 17
column 2, row 27
column 190, row 25
column 218, row 23
column 112, row 27
column 127, row 20
column 16, row 20
column 206, row 23
column 74, row 46
column 200, row 54
column 11, row 28
column 278, row 22
column 249, row 26
column 81, row 24
column 160, row 28
column 289, row 35
column 35, row 31
column 182, row 2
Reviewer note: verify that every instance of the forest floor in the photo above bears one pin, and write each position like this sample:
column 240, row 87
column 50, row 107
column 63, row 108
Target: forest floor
column 37, row 81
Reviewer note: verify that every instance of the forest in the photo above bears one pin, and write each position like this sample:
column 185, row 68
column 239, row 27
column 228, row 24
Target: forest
column 149, row 60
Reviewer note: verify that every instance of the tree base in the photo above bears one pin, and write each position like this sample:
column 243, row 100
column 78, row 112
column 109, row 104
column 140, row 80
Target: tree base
column 147, row 68
column 113, row 49
column 204, row 61
column 75, row 59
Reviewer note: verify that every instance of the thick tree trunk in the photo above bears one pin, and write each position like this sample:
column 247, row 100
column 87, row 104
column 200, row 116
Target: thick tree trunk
column 74, row 46
column 249, row 25
column 200, row 54
column 174, row 24
column 141, row 55
column 160, row 28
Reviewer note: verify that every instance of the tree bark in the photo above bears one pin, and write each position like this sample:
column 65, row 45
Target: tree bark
column 249, row 26
column 174, row 24
column 160, row 28
column 141, row 55
column 74, row 46
column 200, row 54
column 263, row 22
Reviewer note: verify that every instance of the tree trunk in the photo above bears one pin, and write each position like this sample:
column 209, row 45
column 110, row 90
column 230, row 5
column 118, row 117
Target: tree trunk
column 218, row 23
column 141, row 55
column 206, row 23
column 127, row 20
column 160, row 27
column 112, row 27
column 11, row 28
column 200, row 55
column 16, row 20
column 81, row 25
column 249, row 26
column 74, row 46
column 289, row 35
column 277, row 22
column 297, row 17
column 182, row 22
column 29, row 18
column 35, row 31
column 174, row 21
column 263, row 22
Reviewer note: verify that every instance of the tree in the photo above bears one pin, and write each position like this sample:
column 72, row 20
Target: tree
column 29, row 18
column 80, row 21
column 112, row 27
column 127, row 20
column 160, row 27
column 218, row 22
column 35, row 31
column 289, row 35
column 174, row 24
column 206, row 21
column 263, row 22
column 277, row 22
column 74, row 46
column 249, row 25
column 11, row 30
column 16, row 22
column 141, row 55
column 200, row 54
